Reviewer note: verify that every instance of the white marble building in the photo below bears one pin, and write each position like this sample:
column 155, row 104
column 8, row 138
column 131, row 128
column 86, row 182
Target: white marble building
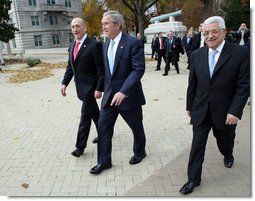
column 172, row 25
column 43, row 23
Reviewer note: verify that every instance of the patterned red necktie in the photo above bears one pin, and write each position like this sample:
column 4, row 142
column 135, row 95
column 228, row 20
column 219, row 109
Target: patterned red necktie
column 76, row 50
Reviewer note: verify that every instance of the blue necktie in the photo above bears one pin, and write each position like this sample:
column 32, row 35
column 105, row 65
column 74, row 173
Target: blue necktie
column 212, row 61
column 111, row 56
column 170, row 44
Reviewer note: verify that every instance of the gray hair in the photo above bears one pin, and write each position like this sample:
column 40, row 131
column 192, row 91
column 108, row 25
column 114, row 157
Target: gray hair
column 215, row 19
column 116, row 17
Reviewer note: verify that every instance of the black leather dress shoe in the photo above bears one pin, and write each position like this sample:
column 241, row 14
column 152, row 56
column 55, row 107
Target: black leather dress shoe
column 99, row 168
column 157, row 69
column 228, row 162
column 77, row 152
column 95, row 140
column 165, row 74
column 136, row 159
column 188, row 187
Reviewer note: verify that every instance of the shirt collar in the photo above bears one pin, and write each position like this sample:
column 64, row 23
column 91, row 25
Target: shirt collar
column 117, row 38
column 219, row 48
column 83, row 38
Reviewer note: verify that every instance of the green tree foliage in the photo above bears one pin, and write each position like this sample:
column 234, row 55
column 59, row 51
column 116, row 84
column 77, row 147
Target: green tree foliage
column 93, row 13
column 236, row 12
column 7, row 30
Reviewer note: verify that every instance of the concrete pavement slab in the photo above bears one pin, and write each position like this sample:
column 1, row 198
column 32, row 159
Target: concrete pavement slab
column 38, row 132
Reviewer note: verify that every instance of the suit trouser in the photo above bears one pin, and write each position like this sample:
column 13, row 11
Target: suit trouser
column 168, row 61
column 152, row 52
column 89, row 110
column 225, row 141
column 161, row 53
column 108, row 117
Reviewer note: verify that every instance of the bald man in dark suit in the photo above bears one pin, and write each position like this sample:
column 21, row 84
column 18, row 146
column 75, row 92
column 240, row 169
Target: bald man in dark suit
column 85, row 64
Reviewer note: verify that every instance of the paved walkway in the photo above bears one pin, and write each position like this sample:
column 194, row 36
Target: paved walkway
column 38, row 132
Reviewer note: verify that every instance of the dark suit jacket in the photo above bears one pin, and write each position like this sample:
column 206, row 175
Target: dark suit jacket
column 238, row 37
column 228, row 89
column 157, row 44
column 153, row 43
column 129, row 67
column 187, row 45
column 195, row 42
column 87, row 69
column 175, row 52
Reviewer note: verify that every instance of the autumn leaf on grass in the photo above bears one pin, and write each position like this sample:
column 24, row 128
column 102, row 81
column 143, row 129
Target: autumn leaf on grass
column 41, row 71
column 30, row 75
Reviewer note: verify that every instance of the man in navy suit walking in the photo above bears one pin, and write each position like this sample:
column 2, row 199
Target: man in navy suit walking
column 123, row 94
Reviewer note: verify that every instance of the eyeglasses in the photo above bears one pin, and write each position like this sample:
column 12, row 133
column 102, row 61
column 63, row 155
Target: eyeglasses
column 213, row 32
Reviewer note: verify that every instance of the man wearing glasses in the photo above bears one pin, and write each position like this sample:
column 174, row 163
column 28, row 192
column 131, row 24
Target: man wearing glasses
column 219, row 85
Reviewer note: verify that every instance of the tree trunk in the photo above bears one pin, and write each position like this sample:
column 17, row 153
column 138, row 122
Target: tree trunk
column 141, row 18
column 141, row 25
column 208, row 8
column 1, row 54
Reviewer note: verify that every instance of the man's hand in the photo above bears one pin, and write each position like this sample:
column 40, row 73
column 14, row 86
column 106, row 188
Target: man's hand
column 231, row 120
column 117, row 99
column 97, row 94
column 63, row 90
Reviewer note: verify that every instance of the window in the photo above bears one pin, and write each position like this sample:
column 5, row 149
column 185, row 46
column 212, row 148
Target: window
column 53, row 20
column 51, row 2
column 35, row 20
column 38, row 40
column 32, row 2
column 69, row 20
column 71, row 38
column 68, row 3
column 55, row 39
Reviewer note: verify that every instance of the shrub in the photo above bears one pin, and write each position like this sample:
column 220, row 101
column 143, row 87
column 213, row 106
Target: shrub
column 33, row 62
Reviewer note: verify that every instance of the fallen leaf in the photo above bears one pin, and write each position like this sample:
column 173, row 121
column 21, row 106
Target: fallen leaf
column 42, row 70
column 25, row 185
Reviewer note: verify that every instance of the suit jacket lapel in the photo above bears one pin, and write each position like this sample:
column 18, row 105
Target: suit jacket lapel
column 106, row 55
column 71, row 51
column 119, row 51
column 83, row 47
column 224, row 56
column 204, row 61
